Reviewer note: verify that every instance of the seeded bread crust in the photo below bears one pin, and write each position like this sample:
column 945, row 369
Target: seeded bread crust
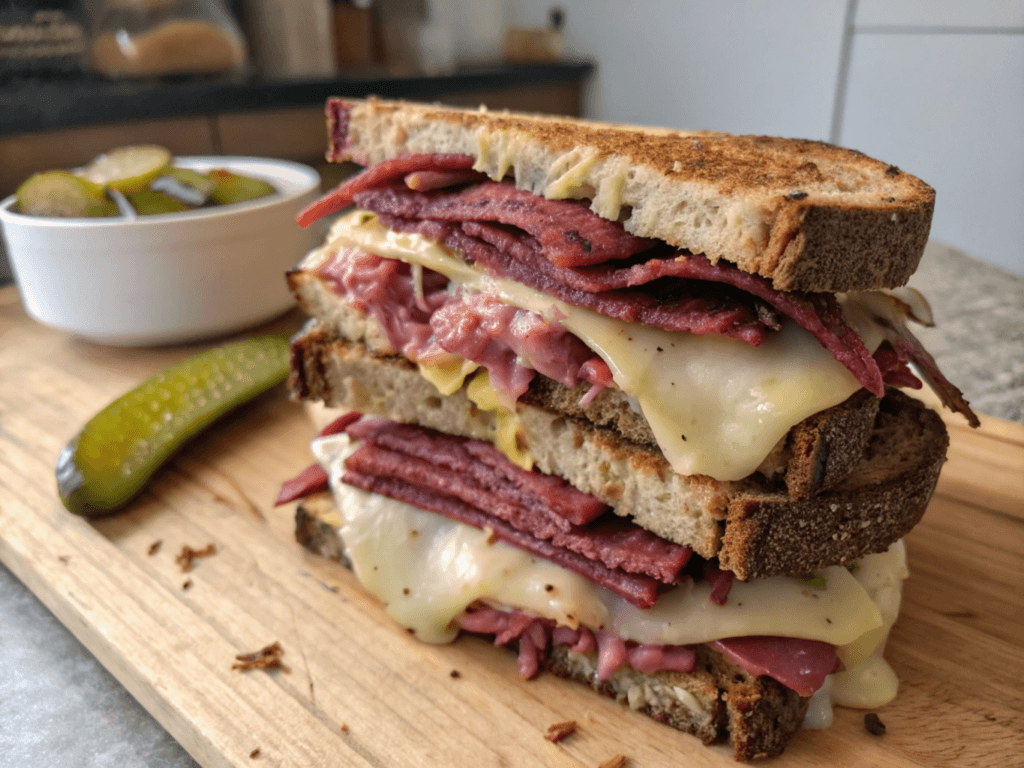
column 807, row 215
column 753, row 529
column 814, row 456
column 878, row 503
column 717, row 702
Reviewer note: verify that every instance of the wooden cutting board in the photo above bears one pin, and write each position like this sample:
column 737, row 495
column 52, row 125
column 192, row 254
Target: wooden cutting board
column 359, row 690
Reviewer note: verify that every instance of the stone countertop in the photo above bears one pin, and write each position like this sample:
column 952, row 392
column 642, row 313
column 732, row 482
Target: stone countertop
column 978, row 338
column 59, row 706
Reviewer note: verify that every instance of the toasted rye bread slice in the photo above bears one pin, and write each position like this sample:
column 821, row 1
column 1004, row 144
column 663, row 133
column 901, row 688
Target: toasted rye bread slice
column 754, row 530
column 807, row 215
column 815, row 455
column 719, row 701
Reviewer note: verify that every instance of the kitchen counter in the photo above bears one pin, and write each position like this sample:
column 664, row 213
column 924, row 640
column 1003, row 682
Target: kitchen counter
column 46, row 105
column 61, row 707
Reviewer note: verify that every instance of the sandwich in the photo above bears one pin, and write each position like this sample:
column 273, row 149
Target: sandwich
column 627, row 400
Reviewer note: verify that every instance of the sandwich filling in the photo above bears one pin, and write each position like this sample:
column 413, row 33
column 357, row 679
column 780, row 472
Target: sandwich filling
column 438, row 573
column 721, row 364
column 484, row 287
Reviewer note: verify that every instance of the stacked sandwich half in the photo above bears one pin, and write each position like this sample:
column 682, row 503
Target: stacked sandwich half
column 624, row 400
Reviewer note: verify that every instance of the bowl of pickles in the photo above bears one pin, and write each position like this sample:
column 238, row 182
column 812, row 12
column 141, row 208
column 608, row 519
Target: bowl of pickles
column 139, row 247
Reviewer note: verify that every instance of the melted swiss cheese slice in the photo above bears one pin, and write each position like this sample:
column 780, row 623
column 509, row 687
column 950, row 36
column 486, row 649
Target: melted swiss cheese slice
column 427, row 570
column 717, row 406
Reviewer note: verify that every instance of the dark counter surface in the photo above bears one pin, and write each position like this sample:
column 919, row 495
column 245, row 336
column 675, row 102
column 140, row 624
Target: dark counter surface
column 44, row 105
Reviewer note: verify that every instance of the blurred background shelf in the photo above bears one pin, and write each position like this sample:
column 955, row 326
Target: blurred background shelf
column 63, row 123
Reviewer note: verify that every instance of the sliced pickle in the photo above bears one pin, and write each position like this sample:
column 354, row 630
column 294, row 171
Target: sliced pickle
column 62, row 194
column 147, row 202
column 120, row 448
column 129, row 170
column 232, row 188
column 185, row 184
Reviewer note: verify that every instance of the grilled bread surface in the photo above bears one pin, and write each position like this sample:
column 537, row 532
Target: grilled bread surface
column 807, row 215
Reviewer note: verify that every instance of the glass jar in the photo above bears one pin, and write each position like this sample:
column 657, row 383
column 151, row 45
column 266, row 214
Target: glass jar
column 151, row 38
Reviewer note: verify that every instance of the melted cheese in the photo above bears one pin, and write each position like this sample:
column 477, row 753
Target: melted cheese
column 716, row 405
column 427, row 569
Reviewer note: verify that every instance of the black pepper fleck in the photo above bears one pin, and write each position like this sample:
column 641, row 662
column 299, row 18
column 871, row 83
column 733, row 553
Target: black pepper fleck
column 873, row 724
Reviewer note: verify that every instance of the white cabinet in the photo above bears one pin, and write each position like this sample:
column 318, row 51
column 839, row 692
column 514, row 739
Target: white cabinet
column 948, row 107
column 744, row 66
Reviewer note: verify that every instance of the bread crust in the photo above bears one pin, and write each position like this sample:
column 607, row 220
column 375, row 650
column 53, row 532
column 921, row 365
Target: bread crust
column 878, row 503
column 717, row 702
column 753, row 528
column 807, row 215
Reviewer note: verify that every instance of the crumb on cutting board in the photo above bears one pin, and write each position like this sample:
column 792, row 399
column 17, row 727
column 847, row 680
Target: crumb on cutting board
column 558, row 731
column 265, row 658
column 873, row 724
column 187, row 555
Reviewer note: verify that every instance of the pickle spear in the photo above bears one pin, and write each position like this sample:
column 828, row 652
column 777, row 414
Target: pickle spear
column 119, row 449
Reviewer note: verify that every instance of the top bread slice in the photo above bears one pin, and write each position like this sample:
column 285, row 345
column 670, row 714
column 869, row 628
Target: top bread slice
column 807, row 215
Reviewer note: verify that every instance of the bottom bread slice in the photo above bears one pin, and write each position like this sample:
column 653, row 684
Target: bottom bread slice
column 717, row 702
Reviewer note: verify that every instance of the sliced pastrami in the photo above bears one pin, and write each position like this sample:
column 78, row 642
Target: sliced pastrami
column 513, row 343
column 640, row 590
column 720, row 581
column 895, row 372
column 311, row 480
column 675, row 305
column 799, row 664
column 535, row 634
column 568, row 231
column 427, row 181
column 613, row 542
column 489, row 465
column 671, row 291
column 380, row 174
column 340, row 424
column 907, row 346
column 430, row 322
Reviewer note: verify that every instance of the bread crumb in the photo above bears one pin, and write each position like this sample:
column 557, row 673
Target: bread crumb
column 187, row 555
column 619, row 761
column 187, row 584
column 344, row 727
column 265, row 658
column 64, row 559
column 873, row 724
column 455, row 673
column 254, row 754
column 154, row 547
column 560, row 731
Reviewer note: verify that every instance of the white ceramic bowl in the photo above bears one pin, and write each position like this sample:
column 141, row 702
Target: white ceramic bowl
column 171, row 277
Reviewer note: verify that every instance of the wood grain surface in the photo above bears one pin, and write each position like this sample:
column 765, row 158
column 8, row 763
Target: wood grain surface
column 359, row 691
